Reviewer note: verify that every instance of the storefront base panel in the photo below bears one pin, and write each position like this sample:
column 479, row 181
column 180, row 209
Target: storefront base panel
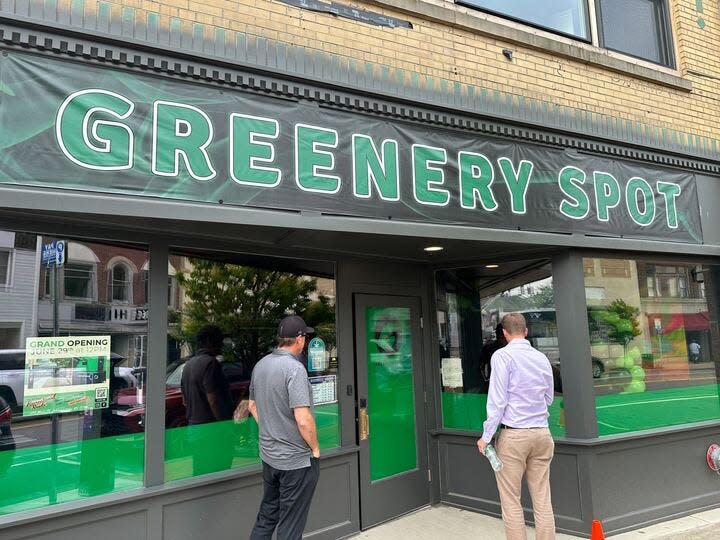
column 468, row 481
column 219, row 509
column 637, row 482
column 626, row 483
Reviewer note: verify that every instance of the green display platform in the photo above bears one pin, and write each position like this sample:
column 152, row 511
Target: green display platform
column 626, row 412
column 44, row 475
column 207, row 448
column 467, row 411
column 616, row 413
column 41, row 476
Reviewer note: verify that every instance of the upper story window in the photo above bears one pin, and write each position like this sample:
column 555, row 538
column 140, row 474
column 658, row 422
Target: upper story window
column 565, row 16
column 672, row 282
column 79, row 281
column 5, row 260
column 639, row 28
column 619, row 268
column 121, row 282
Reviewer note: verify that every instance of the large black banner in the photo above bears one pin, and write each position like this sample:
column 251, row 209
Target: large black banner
column 81, row 127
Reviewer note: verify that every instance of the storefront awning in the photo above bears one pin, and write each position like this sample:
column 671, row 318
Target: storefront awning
column 692, row 322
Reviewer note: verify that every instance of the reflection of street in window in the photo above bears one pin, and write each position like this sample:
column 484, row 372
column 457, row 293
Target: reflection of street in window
column 68, row 412
column 245, row 302
column 651, row 340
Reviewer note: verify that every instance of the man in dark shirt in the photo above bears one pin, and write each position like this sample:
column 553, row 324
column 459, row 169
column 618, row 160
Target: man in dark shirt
column 205, row 389
column 206, row 395
column 486, row 354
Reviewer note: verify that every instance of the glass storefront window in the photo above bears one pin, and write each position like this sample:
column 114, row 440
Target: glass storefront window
column 245, row 298
column 71, row 374
column 655, row 343
column 471, row 302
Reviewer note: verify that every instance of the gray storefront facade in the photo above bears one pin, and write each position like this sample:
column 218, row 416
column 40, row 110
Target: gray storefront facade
column 351, row 183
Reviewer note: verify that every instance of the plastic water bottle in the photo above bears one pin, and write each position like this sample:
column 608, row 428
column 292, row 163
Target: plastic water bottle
column 493, row 458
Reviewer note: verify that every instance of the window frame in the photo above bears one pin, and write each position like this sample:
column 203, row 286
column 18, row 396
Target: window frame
column 593, row 25
column 666, row 44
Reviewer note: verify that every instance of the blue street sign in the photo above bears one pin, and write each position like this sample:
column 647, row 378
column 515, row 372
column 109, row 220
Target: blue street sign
column 53, row 253
column 60, row 253
column 48, row 254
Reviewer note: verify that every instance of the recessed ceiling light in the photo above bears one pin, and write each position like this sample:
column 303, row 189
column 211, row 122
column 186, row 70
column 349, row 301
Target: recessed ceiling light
column 431, row 249
column 491, row 265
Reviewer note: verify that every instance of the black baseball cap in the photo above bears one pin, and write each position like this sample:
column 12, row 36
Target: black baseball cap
column 293, row 326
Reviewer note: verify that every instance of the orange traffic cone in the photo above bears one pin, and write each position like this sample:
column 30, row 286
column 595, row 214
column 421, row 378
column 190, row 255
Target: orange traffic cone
column 596, row 532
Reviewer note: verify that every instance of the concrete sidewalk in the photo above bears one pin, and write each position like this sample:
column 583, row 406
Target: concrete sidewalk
column 447, row 522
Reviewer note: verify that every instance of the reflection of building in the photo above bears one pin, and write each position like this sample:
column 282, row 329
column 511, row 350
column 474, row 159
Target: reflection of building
column 19, row 265
column 674, row 308
column 101, row 290
column 670, row 298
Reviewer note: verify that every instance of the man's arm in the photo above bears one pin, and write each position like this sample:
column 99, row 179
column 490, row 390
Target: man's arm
column 307, row 428
column 215, row 403
column 497, row 398
column 549, row 384
column 252, row 407
column 550, row 391
column 217, row 391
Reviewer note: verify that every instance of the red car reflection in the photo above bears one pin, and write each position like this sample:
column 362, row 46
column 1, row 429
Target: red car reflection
column 128, row 403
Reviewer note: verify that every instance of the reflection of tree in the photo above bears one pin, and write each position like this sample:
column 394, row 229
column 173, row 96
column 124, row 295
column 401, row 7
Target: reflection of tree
column 247, row 304
column 320, row 315
column 543, row 298
column 622, row 321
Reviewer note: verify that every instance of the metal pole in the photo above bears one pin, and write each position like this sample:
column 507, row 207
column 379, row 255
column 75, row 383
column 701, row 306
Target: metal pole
column 56, row 302
column 54, row 421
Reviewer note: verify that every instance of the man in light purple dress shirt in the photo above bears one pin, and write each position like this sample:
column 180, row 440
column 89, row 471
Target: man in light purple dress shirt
column 521, row 390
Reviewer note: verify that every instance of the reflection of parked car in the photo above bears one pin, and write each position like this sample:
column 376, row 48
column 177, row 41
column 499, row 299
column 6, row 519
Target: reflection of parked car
column 598, row 368
column 126, row 403
column 7, row 442
column 615, row 376
column 12, row 375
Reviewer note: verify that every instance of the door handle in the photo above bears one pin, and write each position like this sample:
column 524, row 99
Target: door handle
column 364, row 424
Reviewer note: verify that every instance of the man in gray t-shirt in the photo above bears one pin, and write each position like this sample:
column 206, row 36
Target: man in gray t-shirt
column 281, row 403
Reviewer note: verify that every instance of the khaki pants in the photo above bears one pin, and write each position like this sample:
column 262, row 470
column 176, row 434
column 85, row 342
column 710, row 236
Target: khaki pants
column 526, row 452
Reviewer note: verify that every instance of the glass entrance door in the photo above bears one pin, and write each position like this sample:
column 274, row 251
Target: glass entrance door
column 391, row 411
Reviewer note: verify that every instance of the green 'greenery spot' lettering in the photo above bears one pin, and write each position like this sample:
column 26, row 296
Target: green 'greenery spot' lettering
column 89, row 133
column 639, row 186
column 476, row 177
column 250, row 149
column 369, row 167
column 517, row 182
column 607, row 194
column 312, row 163
column 426, row 177
column 577, row 204
column 181, row 132
column 670, row 192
